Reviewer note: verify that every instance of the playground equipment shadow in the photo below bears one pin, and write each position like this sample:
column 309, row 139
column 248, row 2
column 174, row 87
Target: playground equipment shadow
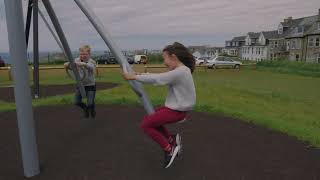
column 112, row 146
column 7, row 93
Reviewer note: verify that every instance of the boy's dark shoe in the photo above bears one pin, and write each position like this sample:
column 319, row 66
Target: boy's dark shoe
column 86, row 112
column 93, row 113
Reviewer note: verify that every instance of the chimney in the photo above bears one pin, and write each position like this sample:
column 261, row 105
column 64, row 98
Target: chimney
column 288, row 19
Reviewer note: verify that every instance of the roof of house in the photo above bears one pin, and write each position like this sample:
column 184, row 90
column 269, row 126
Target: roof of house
column 313, row 29
column 292, row 22
column 306, row 23
column 239, row 38
column 253, row 35
column 271, row 34
column 309, row 25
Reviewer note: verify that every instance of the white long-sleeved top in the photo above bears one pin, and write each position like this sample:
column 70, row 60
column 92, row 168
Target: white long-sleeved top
column 90, row 67
column 181, row 90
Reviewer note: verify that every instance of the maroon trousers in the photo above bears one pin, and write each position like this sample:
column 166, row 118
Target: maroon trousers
column 153, row 125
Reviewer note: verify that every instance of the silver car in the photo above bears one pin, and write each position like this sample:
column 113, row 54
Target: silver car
column 223, row 62
column 201, row 60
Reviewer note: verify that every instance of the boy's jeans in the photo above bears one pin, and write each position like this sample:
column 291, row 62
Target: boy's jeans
column 91, row 93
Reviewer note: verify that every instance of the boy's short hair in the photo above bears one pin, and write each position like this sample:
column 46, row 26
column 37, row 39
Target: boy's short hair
column 85, row 48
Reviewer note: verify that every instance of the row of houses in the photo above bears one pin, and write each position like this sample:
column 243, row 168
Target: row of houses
column 295, row 40
column 205, row 51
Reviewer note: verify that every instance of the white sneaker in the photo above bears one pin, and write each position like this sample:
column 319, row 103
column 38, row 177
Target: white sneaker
column 169, row 157
column 179, row 143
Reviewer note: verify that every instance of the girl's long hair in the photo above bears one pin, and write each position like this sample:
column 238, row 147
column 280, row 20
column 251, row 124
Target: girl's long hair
column 182, row 54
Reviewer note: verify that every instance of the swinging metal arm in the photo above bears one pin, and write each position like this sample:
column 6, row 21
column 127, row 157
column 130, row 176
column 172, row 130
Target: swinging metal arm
column 122, row 60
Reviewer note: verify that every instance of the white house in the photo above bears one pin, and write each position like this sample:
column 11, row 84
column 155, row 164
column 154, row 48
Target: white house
column 254, row 48
column 257, row 46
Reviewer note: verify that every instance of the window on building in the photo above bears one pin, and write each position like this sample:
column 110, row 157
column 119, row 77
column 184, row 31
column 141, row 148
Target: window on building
column 280, row 30
column 297, row 57
column 299, row 29
column 294, row 44
column 317, row 41
column 251, row 50
column 288, row 45
column 299, row 43
column 276, row 44
column 319, row 26
column 271, row 56
column 311, row 42
column 318, row 58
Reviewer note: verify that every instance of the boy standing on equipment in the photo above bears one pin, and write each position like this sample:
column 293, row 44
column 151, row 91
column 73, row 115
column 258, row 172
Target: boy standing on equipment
column 87, row 64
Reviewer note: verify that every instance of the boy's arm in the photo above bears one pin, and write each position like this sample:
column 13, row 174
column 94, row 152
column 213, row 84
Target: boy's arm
column 91, row 65
column 66, row 65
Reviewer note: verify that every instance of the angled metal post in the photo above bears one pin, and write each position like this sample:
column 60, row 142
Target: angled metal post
column 36, row 89
column 67, row 50
column 22, row 92
column 136, row 86
column 51, row 31
column 28, row 22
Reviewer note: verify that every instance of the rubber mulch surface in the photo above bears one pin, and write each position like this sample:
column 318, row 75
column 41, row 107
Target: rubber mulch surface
column 112, row 146
column 7, row 93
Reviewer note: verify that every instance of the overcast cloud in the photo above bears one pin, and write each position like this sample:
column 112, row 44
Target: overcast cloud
column 152, row 24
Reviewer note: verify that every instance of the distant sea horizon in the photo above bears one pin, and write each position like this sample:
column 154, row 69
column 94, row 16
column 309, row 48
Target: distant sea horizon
column 44, row 54
column 6, row 56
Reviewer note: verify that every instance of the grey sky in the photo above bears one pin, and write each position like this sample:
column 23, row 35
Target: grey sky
column 153, row 23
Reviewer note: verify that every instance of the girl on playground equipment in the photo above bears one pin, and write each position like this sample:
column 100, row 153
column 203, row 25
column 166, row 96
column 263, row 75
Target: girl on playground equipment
column 87, row 64
column 180, row 99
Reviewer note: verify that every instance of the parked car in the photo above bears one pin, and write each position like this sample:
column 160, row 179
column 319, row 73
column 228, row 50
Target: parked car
column 105, row 59
column 138, row 59
column 201, row 60
column 223, row 62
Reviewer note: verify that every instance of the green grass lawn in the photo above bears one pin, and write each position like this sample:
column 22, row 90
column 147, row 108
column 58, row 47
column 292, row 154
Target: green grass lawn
column 285, row 102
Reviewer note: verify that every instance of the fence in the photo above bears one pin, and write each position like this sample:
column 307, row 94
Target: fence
column 145, row 68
